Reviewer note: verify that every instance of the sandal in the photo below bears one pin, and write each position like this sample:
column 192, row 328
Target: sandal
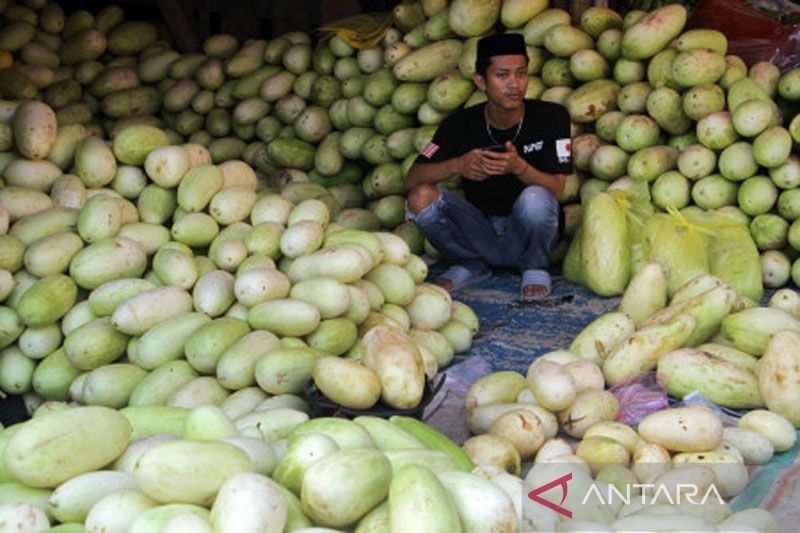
column 461, row 277
column 535, row 278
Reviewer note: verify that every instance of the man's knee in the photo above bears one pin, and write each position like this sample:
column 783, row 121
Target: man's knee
column 537, row 204
column 421, row 197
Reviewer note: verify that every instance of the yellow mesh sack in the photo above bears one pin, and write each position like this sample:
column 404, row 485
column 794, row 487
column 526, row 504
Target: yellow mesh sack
column 678, row 245
column 635, row 201
column 359, row 31
column 732, row 255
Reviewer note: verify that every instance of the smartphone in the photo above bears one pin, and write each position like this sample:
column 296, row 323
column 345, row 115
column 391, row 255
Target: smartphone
column 495, row 148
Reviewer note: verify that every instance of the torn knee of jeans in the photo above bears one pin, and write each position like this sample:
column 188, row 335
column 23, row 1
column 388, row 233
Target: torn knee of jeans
column 430, row 210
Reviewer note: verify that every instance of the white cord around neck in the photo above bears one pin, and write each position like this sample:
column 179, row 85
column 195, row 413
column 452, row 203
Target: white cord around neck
column 489, row 128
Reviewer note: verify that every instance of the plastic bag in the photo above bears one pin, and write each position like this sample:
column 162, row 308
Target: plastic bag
column 729, row 417
column 733, row 256
column 638, row 212
column 751, row 34
column 638, row 396
column 360, row 31
column 447, row 411
column 678, row 246
column 704, row 243
column 609, row 242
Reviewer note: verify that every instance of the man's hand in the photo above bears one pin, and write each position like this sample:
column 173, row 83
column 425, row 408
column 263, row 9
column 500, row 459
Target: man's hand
column 472, row 165
column 508, row 162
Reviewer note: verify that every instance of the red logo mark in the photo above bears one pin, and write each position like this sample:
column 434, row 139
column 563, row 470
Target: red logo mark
column 562, row 482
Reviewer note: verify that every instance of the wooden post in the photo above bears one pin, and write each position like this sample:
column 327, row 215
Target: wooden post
column 177, row 20
column 561, row 4
column 294, row 15
column 330, row 11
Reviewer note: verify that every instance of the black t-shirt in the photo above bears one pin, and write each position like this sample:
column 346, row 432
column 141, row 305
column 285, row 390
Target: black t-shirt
column 543, row 141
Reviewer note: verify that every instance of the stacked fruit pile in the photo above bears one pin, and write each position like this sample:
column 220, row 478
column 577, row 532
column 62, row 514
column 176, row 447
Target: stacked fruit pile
column 190, row 269
column 562, row 417
column 647, row 101
column 156, row 282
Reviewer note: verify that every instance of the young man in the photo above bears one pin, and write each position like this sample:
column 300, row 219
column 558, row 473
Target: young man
column 513, row 156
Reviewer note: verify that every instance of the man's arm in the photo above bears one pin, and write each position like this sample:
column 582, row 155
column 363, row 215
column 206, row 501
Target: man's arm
column 468, row 165
column 430, row 173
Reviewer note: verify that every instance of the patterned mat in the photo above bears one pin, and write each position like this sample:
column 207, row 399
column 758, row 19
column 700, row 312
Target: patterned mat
column 513, row 333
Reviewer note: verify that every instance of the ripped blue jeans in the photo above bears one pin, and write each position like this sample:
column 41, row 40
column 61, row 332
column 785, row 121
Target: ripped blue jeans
column 463, row 235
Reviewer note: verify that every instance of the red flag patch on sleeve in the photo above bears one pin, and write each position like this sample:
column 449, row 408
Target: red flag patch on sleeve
column 429, row 150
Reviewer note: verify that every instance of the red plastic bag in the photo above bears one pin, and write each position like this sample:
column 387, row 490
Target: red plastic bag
column 751, row 34
column 638, row 396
